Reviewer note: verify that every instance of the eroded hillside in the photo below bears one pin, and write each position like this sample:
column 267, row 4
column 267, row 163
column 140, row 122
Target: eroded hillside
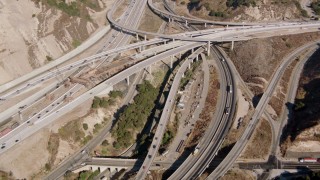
column 34, row 32
column 244, row 10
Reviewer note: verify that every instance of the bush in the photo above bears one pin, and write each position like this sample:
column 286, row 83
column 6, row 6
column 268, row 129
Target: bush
column 97, row 127
column 49, row 58
column 105, row 142
column 85, row 126
column 104, row 103
column 115, row 94
column 316, row 7
column 76, row 43
column 96, row 102
column 237, row 3
column 217, row 14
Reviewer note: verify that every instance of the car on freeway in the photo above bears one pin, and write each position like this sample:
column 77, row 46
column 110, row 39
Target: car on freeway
column 226, row 111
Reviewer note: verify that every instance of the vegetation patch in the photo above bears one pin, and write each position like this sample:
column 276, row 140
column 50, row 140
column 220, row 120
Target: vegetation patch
column 73, row 8
column 6, row 176
column 315, row 5
column 76, row 43
column 106, row 102
column 53, row 145
column 237, row 3
column 189, row 74
column 135, row 115
column 72, row 131
column 302, row 11
column 88, row 175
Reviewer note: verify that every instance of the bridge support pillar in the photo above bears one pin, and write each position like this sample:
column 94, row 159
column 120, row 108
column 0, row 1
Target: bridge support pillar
column 182, row 75
column 137, row 36
column 205, row 25
column 186, row 23
column 208, row 50
column 180, row 55
column 192, row 50
column 140, row 49
column 128, row 80
column 150, row 70
column 20, row 115
column 171, row 62
column 227, row 26
column 189, row 66
column 197, row 58
column 232, row 45
column 145, row 37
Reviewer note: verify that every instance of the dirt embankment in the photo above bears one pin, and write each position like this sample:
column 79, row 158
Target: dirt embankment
column 259, row 144
column 35, row 32
column 304, row 126
column 258, row 10
column 207, row 113
column 257, row 59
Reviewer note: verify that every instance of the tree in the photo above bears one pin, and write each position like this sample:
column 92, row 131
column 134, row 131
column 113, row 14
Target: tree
column 105, row 142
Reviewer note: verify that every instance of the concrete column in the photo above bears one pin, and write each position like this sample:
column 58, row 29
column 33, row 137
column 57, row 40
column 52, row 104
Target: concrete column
column 20, row 115
column 137, row 36
column 192, row 50
column 189, row 66
column 197, row 58
column 165, row 42
column 180, row 55
column 145, row 37
column 205, row 25
column 186, row 23
column 150, row 70
column 208, row 50
column 182, row 75
column 172, row 40
column 232, row 45
column 171, row 62
column 227, row 26
column 140, row 49
column 128, row 80
column 169, row 19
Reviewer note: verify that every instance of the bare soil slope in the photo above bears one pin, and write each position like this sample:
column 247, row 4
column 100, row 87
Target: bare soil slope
column 261, row 10
column 257, row 59
column 34, row 32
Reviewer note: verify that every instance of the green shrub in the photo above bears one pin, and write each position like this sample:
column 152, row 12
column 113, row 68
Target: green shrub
column 85, row 126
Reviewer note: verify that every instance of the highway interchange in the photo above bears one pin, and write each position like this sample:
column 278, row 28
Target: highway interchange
column 167, row 46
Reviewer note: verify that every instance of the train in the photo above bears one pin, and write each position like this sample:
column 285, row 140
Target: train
column 309, row 160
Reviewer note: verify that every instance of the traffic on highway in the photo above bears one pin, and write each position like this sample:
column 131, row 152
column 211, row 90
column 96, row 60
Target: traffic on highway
column 45, row 96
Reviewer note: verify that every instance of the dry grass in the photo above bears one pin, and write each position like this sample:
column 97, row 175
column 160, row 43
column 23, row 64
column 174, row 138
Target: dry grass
column 260, row 57
column 72, row 131
column 237, row 174
column 259, row 144
column 207, row 113
column 277, row 101
column 150, row 22
column 6, row 176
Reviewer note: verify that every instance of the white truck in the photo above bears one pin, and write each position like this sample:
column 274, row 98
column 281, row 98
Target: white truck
column 195, row 152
